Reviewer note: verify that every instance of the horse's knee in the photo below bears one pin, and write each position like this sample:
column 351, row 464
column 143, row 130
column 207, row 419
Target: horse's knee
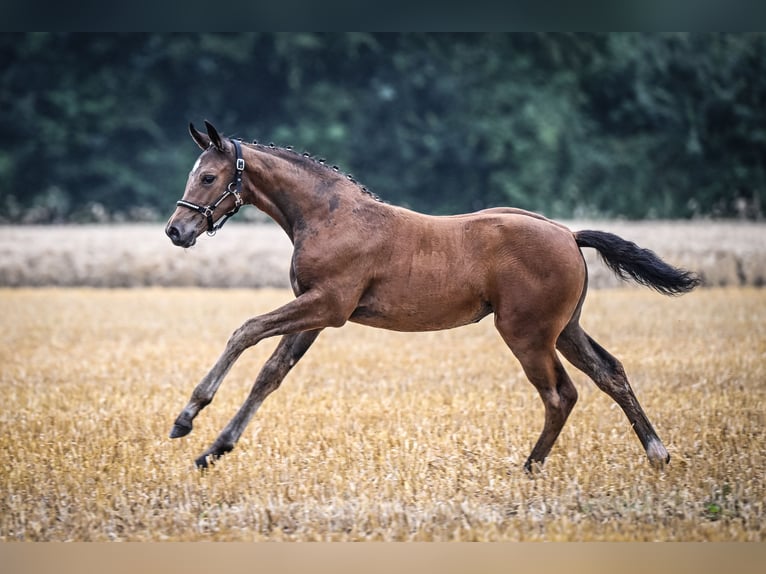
column 245, row 336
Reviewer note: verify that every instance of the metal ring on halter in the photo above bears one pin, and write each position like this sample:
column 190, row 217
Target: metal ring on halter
column 235, row 193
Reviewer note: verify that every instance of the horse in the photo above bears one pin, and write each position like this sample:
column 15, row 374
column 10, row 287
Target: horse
column 359, row 259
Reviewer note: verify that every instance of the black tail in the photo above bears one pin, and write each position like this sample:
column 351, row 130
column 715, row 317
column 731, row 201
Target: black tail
column 629, row 261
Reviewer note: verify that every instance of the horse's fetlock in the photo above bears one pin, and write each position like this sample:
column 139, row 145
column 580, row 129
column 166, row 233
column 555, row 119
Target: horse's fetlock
column 202, row 398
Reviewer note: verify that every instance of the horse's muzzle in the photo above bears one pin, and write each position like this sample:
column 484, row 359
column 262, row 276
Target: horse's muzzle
column 181, row 235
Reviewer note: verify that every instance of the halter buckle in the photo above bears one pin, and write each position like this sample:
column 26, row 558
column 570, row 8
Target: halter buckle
column 240, row 164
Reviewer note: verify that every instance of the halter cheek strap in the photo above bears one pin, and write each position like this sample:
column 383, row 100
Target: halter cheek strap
column 208, row 210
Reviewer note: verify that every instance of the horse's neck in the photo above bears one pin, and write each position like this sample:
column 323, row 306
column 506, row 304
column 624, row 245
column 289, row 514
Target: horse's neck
column 288, row 193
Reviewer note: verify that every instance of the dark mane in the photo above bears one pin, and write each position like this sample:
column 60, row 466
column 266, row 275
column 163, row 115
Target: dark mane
column 311, row 163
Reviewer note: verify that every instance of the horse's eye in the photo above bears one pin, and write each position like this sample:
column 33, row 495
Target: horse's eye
column 208, row 179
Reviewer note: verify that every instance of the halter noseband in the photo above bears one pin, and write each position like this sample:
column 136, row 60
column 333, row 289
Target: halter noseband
column 208, row 210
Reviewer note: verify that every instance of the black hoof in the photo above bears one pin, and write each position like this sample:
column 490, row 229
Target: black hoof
column 209, row 458
column 180, row 430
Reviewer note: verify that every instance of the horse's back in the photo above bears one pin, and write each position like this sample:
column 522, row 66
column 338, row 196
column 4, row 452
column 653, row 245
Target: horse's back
column 522, row 237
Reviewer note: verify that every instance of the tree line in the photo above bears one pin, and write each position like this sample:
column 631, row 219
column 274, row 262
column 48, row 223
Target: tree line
column 570, row 125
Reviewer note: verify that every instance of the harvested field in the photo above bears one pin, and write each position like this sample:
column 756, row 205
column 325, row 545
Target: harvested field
column 374, row 435
column 258, row 255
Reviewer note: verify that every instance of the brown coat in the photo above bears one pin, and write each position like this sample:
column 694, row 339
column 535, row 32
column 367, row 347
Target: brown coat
column 358, row 259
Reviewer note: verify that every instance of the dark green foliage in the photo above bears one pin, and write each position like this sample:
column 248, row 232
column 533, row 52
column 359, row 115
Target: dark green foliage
column 634, row 125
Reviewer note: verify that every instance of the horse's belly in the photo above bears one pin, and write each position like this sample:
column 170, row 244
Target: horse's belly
column 420, row 312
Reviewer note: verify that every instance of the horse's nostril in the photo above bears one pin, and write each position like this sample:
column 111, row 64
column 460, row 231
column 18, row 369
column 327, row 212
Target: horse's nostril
column 180, row 236
column 173, row 233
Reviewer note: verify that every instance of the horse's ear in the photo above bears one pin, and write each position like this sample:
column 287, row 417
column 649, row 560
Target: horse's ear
column 201, row 139
column 214, row 137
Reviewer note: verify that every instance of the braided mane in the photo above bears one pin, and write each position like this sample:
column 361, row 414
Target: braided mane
column 305, row 159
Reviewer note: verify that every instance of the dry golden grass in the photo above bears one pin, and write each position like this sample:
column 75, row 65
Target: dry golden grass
column 374, row 435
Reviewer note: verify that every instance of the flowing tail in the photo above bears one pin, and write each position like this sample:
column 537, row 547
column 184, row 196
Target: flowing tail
column 629, row 261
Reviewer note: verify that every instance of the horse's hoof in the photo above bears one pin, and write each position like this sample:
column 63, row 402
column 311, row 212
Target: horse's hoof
column 533, row 468
column 180, row 430
column 212, row 455
column 658, row 454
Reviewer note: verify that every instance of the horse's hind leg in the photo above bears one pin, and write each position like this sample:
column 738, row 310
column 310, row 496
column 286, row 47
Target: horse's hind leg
column 559, row 396
column 608, row 374
column 289, row 351
column 544, row 370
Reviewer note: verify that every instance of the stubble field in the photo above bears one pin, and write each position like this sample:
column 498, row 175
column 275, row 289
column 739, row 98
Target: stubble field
column 374, row 435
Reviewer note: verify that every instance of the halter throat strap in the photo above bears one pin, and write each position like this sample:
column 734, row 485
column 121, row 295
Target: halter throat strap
column 208, row 210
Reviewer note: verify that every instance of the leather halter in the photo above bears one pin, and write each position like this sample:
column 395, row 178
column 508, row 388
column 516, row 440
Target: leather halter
column 208, row 210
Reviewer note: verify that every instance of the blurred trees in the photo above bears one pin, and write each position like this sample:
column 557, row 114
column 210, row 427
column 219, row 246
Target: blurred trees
column 633, row 125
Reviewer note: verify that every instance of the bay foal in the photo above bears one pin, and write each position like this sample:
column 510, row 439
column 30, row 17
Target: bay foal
column 358, row 259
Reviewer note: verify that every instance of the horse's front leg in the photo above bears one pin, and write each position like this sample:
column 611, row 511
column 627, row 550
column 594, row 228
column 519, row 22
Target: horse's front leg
column 204, row 392
column 311, row 311
column 287, row 354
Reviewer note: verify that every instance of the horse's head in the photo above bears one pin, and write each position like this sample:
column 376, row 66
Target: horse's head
column 213, row 189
